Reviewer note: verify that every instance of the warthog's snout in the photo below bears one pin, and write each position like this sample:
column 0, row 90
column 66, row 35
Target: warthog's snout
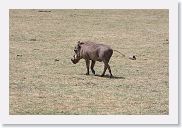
column 75, row 59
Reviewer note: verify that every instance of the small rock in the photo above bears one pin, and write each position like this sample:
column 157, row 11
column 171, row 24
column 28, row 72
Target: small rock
column 44, row 11
column 19, row 55
column 56, row 60
column 132, row 57
column 32, row 39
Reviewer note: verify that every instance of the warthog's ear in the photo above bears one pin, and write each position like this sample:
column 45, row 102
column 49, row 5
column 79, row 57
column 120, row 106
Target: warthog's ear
column 78, row 42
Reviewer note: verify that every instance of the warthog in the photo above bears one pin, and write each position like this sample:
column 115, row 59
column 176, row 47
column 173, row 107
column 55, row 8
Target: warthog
column 94, row 52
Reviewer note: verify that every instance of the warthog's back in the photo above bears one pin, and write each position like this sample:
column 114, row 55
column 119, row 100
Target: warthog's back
column 97, row 52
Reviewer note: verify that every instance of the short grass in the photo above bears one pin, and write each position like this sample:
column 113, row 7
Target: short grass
column 44, row 81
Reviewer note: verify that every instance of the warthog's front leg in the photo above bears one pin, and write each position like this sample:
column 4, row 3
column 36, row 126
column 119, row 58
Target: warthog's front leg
column 87, row 65
column 92, row 67
column 105, row 68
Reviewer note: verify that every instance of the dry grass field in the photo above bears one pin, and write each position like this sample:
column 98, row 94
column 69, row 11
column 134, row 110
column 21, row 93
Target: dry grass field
column 43, row 79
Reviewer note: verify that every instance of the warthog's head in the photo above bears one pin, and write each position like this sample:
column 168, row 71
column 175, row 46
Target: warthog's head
column 77, row 49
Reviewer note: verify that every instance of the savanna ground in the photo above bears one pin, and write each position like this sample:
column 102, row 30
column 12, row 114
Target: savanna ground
column 44, row 81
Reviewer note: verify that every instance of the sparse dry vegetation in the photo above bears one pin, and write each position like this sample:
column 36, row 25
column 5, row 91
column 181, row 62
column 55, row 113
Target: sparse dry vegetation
column 44, row 81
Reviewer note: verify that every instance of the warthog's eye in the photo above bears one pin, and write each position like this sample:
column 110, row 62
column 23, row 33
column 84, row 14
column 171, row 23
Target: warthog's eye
column 75, row 49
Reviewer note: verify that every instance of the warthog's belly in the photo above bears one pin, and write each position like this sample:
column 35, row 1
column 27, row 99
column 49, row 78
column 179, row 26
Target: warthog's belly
column 99, row 60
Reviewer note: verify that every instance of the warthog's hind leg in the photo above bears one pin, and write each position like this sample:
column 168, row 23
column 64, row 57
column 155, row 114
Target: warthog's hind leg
column 109, row 70
column 106, row 66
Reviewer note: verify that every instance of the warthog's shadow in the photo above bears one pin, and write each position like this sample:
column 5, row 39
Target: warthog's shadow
column 113, row 77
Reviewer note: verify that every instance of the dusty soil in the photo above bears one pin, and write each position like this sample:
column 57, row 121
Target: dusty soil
column 44, row 81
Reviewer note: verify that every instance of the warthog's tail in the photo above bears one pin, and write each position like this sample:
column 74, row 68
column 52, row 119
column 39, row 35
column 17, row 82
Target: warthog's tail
column 120, row 53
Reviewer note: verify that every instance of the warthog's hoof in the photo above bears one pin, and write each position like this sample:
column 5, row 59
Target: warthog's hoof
column 87, row 73
column 101, row 75
column 93, row 72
